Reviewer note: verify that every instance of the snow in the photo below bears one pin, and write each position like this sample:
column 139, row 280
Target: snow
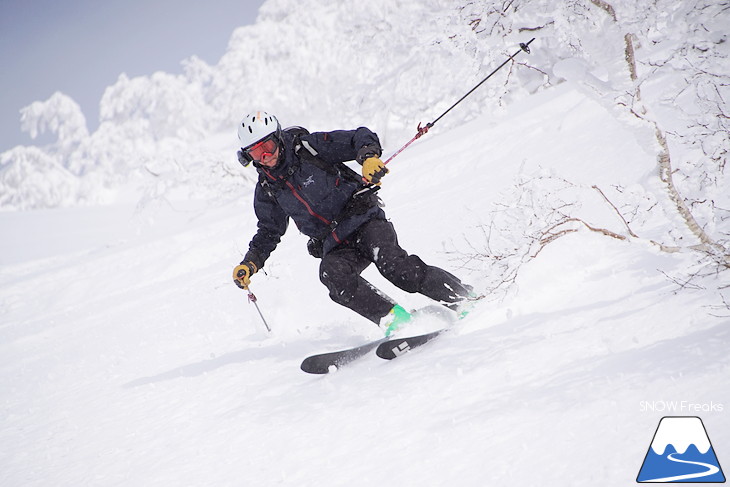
column 128, row 357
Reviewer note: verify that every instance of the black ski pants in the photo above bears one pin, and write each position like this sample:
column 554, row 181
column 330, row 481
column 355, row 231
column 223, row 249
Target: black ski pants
column 376, row 242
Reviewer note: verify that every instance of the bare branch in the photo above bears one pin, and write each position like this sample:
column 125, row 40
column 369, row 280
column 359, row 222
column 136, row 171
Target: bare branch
column 626, row 224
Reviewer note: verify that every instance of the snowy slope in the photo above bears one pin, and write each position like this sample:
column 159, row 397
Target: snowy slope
column 127, row 356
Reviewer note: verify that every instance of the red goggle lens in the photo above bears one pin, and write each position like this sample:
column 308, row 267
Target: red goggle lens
column 261, row 150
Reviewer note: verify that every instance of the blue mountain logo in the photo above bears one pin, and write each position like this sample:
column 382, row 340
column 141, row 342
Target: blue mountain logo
column 681, row 452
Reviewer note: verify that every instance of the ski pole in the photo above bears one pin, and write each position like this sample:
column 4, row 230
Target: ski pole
column 423, row 130
column 252, row 299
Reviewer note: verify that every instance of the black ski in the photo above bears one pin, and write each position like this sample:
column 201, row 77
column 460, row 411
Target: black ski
column 321, row 363
column 387, row 348
column 396, row 347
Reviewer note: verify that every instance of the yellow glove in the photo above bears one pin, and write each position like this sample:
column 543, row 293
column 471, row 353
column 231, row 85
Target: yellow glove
column 373, row 170
column 242, row 274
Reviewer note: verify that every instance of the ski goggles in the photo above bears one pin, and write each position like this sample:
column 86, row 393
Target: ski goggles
column 260, row 151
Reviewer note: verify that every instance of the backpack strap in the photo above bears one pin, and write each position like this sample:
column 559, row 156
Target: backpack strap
column 304, row 150
column 266, row 186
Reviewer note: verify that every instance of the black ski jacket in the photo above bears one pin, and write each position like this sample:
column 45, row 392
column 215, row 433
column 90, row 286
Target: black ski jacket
column 303, row 191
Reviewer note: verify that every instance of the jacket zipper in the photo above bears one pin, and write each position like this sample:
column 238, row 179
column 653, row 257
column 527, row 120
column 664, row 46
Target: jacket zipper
column 306, row 205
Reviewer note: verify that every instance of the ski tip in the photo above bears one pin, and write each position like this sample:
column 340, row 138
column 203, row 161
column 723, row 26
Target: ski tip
column 310, row 367
column 385, row 353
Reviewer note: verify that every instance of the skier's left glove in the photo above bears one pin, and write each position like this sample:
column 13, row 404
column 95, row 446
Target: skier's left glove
column 242, row 274
column 373, row 169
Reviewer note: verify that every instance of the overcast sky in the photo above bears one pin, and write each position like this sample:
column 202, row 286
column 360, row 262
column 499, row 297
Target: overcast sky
column 80, row 47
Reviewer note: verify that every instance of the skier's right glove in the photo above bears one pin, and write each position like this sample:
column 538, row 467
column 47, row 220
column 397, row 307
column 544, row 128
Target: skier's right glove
column 242, row 274
column 315, row 248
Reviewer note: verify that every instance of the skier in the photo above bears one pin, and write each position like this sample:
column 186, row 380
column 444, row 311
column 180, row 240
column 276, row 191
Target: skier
column 301, row 176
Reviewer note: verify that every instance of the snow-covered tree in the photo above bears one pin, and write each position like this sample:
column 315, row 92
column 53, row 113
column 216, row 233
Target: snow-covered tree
column 31, row 178
column 660, row 66
column 59, row 115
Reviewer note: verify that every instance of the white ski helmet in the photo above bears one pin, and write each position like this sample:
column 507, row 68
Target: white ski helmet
column 256, row 126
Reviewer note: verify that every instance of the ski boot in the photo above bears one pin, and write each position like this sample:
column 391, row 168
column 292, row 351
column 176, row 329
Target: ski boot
column 395, row 318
